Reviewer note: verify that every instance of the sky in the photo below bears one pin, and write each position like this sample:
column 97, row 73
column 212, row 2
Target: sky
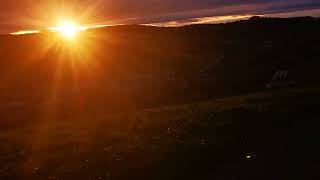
column 34, row 14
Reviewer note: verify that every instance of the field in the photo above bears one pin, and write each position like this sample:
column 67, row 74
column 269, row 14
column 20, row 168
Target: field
column 267, row 135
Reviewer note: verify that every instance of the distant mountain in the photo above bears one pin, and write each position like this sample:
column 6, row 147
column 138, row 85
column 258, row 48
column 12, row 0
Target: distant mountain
column 305, row 18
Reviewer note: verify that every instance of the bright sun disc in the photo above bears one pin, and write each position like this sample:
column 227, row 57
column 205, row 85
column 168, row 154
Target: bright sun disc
column 68, row 29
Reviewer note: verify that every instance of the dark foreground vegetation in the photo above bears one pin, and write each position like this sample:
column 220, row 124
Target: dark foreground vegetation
column 272, row 135
column 232, row 101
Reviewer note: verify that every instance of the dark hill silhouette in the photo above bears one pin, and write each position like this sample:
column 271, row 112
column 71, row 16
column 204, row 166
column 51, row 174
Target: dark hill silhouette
column 132, row 66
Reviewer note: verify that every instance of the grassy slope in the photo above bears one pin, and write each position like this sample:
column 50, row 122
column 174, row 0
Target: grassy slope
column 195, row 141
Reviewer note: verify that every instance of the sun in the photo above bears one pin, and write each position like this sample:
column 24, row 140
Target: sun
column 68, row 29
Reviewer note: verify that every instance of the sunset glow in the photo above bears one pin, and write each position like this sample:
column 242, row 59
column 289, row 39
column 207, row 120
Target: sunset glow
column 159, row 89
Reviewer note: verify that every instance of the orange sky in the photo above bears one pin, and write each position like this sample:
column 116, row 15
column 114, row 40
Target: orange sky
column 34, row 14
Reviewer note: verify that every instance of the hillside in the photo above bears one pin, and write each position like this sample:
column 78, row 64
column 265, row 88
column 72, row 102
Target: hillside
column 134, row 67
column 233, row 101
column 257, row 136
